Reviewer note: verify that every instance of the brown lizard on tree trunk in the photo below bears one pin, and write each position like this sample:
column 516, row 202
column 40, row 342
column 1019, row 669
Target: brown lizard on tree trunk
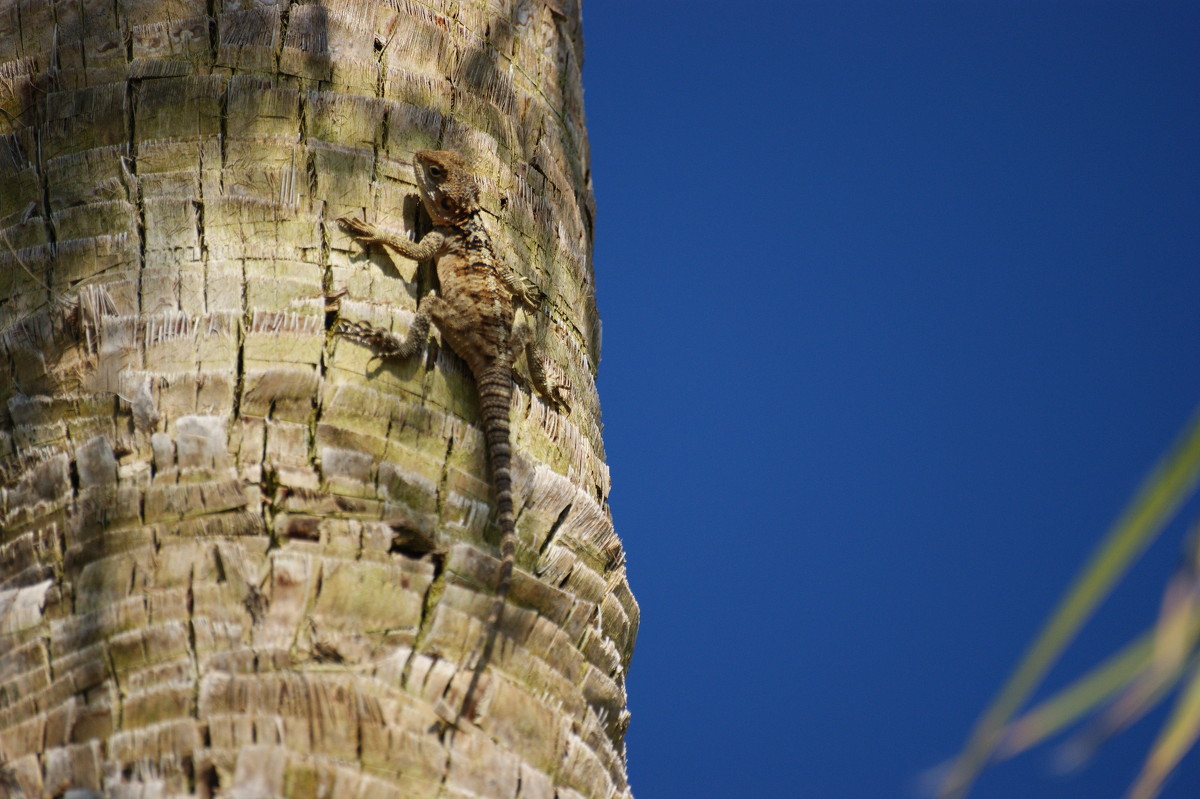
column 475, row 312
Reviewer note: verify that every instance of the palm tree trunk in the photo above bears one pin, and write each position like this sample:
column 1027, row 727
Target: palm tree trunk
column 238, row 558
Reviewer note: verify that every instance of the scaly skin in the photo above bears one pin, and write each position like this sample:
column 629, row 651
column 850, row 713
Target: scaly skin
column 474, row 312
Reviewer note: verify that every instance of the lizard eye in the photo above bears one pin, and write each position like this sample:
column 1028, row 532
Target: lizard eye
column 436, row 172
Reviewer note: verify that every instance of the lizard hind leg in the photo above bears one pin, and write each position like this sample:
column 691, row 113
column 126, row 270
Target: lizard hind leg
column 387, row 344
column 555, row 391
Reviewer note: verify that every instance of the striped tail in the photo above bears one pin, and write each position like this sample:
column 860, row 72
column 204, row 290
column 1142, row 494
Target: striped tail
column 495, row 396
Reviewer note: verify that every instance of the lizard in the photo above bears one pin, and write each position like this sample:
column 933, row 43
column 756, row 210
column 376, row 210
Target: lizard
column 475, row 312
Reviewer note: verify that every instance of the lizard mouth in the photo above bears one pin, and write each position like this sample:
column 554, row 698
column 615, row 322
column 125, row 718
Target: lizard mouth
column 426, row 188
column 423, row 182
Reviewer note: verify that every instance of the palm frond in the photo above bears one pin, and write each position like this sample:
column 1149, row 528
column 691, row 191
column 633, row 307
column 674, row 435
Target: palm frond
column 1171, row 482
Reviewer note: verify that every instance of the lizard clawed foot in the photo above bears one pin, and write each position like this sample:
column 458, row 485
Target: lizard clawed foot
column 559, row 395
column 381, row 341
column 531, row 296
column 362, row 230
column 555, row 387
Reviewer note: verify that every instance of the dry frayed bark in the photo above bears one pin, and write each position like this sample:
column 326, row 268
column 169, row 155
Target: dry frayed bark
column 238, row 558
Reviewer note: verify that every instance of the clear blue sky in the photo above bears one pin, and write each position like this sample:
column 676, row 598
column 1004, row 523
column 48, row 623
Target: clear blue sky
column 901, row 300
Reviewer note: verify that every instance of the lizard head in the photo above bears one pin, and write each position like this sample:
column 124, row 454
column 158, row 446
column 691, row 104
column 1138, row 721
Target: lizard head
column 448, row 189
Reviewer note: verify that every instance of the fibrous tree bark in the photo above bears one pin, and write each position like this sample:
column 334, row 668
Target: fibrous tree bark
column 238, row 557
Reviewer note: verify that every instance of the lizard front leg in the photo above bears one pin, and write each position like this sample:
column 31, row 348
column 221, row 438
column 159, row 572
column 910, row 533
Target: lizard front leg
column 555, row 392
column 525, row 292
column 429, row 245
column 387, row 344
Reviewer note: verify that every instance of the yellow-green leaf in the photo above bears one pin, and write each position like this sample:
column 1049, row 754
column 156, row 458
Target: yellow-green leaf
column 1177, row 736
column 1154, row 504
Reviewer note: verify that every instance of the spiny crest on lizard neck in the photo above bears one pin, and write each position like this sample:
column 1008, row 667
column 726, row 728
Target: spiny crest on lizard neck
column 448, row 189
